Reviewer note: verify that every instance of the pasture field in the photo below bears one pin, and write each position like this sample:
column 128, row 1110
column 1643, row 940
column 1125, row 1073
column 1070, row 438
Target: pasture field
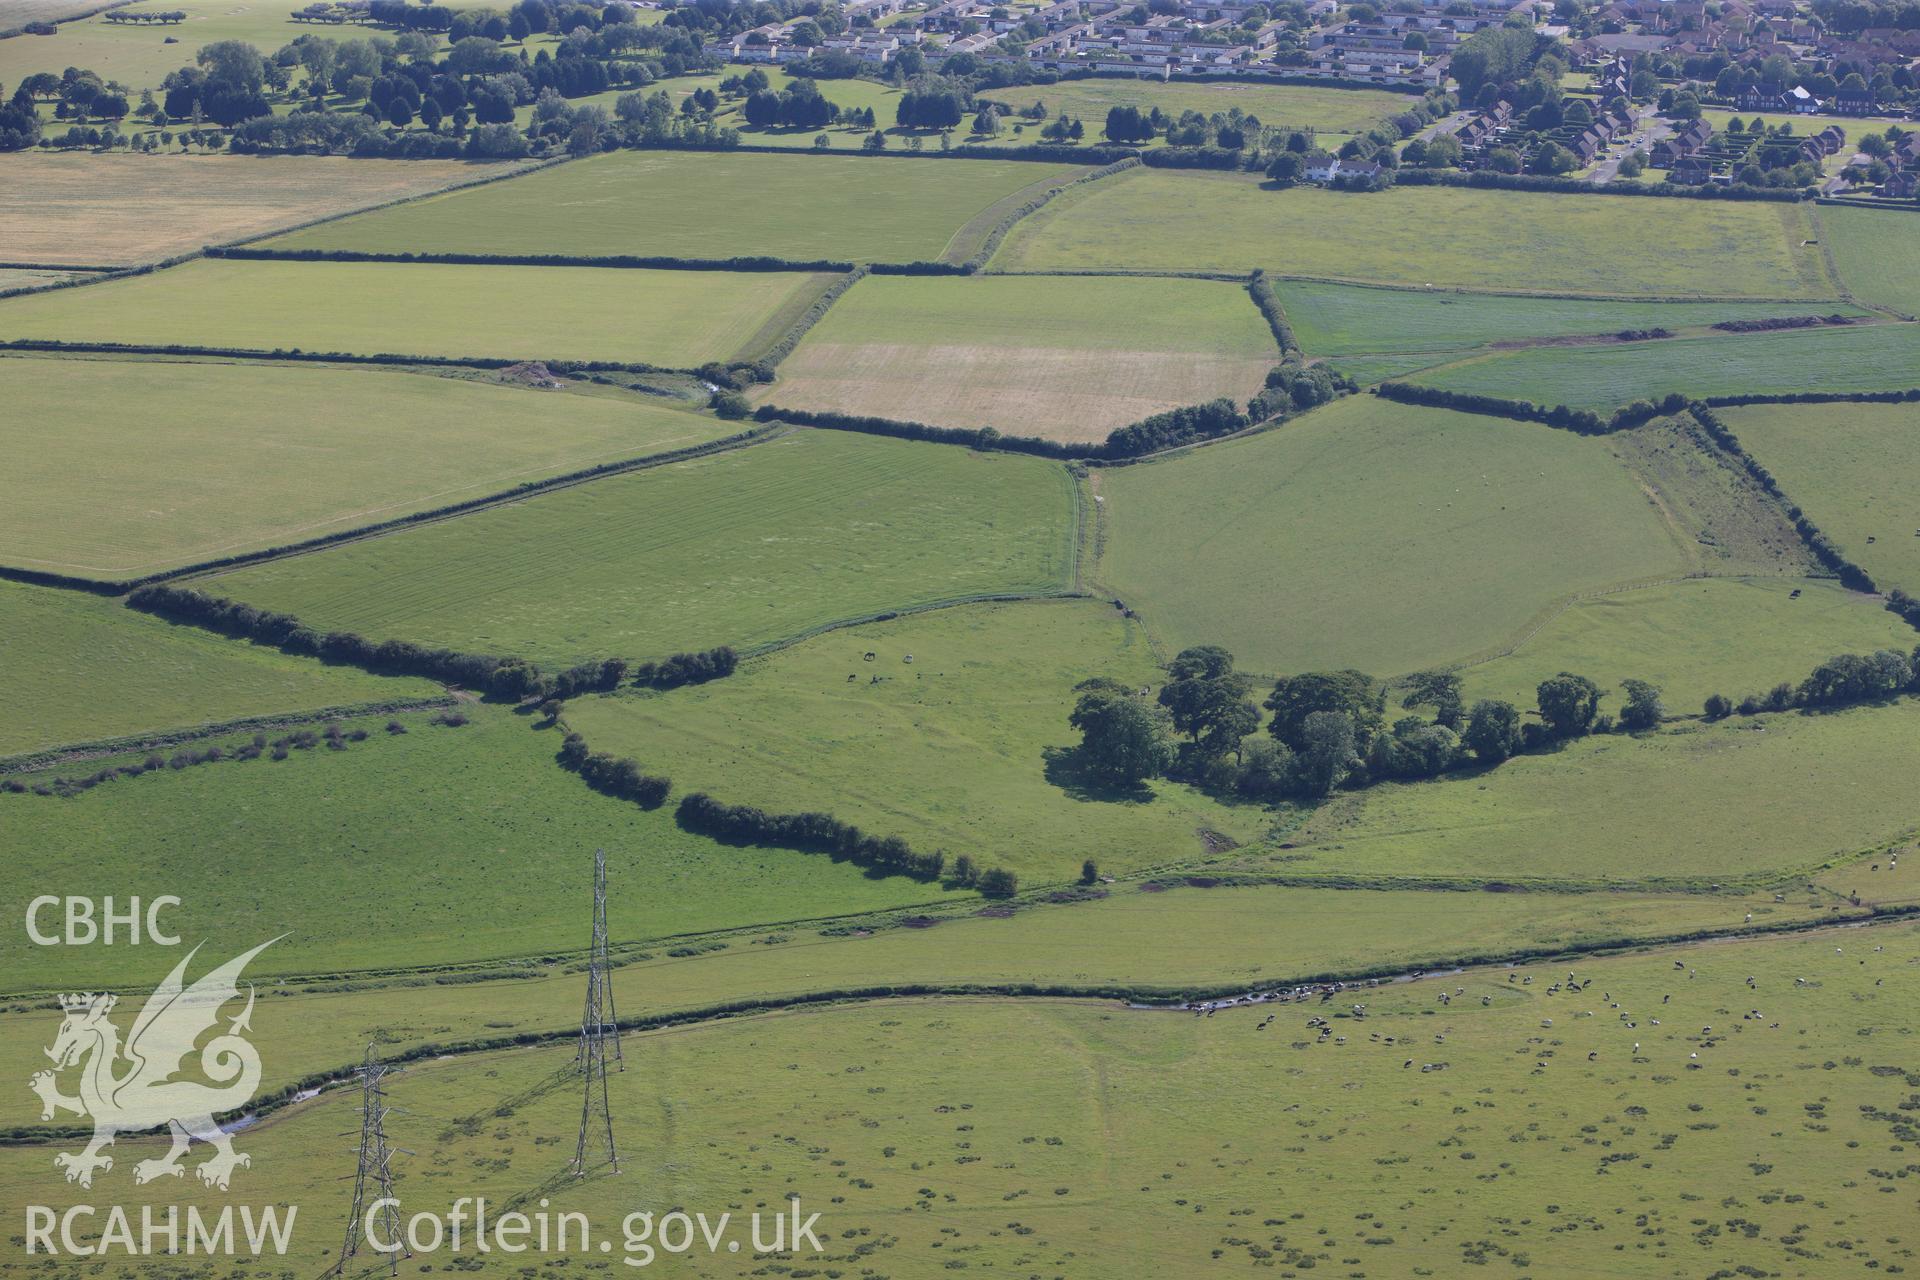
column 1852, row 468
column 953, row 735
column 675, row 319
column 435, row 846
column 139, row 56
column 81, row 668
column 740, row 548
column 1337, row 112
column 209, row 474
column 1877, row 357
column 1701, row 636
column 1513, row 241
column 1373, row 535
column 1064, row 358
column 1113, row 1141
column 1753, row 799
column 700, row 205
column 120, row 210
column 1877, row 256
column 1182, row 941
column 1345, row 320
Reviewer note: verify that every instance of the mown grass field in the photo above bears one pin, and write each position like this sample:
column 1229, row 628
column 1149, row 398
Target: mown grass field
column 1499, row 240
column 696, row 205
column 1879, row 357
column 953, row 735
column 1373, row 535
column 1702, row 636
column 118, row 210
column 1495, row 1117
column 740, row 548
column 81, row 668
column 1755, row 798
column 674, row 319
column 1340, row 112
column 1063, row 358
column 208, row 474
column 1344, row 320
column 434, row 846
column 1877, row 256
column 1852, row 468
column 139, row 56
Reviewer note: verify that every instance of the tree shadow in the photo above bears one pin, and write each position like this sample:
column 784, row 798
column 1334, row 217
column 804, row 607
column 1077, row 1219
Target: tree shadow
column 1067, row 768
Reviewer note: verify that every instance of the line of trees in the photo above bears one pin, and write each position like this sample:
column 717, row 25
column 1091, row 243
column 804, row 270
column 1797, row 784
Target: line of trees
column 1848, row 679
column 1580, row 421
column 824, row 833
column 1327, row 730
column 617, row 776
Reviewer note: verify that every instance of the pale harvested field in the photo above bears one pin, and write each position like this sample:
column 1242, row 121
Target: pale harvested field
column 29, row 278
column 18, row 13
column 108, row 210
column 1061, row 358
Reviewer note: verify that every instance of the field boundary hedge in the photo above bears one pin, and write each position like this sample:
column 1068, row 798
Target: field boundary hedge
column 1188, row 424
column 560, row 365
column 277, row 1099
column 1580, row 421
column 1486, row 179
column 73, row 753
column 1260, row 289
column 990, row 245
column 531, row 488
column 742, row 824
column 907, row 611
column 623, row 261
column 783, row 346
column 95, row 275
column 1823, row 548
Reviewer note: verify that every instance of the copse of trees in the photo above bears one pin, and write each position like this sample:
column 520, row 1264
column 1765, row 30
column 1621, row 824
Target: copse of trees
column 1124, row 739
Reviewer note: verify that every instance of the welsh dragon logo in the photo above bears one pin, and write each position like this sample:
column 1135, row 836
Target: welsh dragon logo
column 132, row 1087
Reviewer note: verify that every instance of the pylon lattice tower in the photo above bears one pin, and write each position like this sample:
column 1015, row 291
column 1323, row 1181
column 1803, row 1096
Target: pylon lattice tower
column 376, row 1166
column 599, row 1025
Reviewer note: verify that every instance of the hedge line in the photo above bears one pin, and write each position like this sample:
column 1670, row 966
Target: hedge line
column 331, row 357
column 989, row 245
column 807, row 832
column 1823, row 549
column 97, row 586
column 501, row 677
column 1097, row 154
column 620, row 777
column 1580, row 421
column 33, row 762
column 1486, row 178
column 1167, row 430
column 622, row 260
column 780, row 350
column 1814, row 397
column 1260, row 289
column 1781, row 322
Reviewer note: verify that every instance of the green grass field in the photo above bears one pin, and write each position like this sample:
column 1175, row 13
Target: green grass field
column 1448, row 236
column 1340, row 112
column 954, row 736
column 435, row 846
column 740, row 548
column 1494, row 1117
column 208, row 474
column 1877, row 256
column 1703, row 636
column 1346, row 320
column 81, row 668
column 139, row 56
column 1852, row 468
column 1065, row 358
column 683, row 204
column 1373, row 535
column 1177, row 941
column 1756, row 798
column 1880, row 357
column 676, row 319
